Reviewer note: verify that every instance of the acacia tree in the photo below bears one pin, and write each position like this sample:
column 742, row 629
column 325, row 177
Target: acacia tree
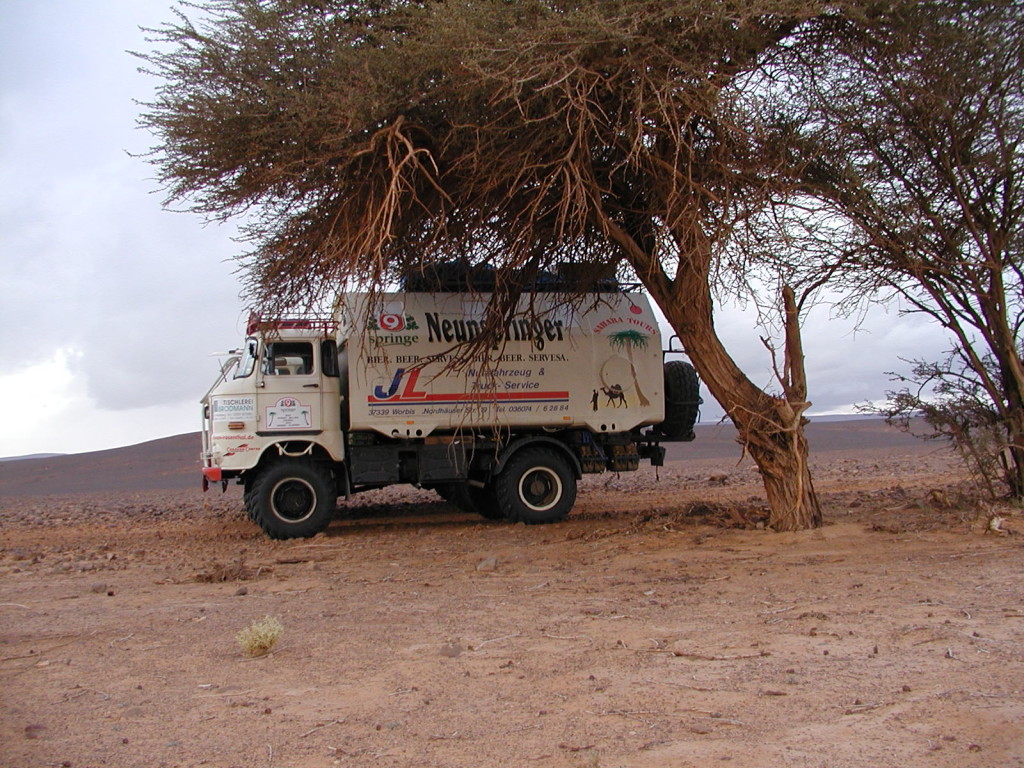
column 367, row 140
column 911, row 187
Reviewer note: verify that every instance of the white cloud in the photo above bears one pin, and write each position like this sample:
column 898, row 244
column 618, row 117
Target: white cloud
column 36, row 398
column 45, row 411
column 89, row 260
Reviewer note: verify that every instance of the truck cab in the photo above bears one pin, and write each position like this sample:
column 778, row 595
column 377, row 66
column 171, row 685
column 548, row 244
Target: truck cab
column 279, row 393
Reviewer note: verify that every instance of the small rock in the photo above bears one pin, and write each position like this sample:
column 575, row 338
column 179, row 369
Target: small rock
column 451, row 650
column 488, row 564
column 243, row 590
column 34, row 731
column 99, row 588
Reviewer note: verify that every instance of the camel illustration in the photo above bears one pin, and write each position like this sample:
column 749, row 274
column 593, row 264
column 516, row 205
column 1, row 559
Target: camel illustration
column 615, row 395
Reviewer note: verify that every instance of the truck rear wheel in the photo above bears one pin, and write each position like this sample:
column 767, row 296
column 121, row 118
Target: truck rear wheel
column 471, row 498
column 293, row 499
column 536, row 486
column 484, row 502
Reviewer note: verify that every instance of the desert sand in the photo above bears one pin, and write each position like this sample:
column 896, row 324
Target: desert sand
column 661, row 625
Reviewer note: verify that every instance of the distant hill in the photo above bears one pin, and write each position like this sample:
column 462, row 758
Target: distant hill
column 173, row 463
column 32, row 456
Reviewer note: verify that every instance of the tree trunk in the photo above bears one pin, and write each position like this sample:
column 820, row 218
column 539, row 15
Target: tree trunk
column 775, row 440
column 1004, row 348
column 1014, row 454
column 771, row 428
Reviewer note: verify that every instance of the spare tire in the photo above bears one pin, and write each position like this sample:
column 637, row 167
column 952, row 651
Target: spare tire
column 682, row 401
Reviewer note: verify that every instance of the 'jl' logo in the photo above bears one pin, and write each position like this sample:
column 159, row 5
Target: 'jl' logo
column 409, row 392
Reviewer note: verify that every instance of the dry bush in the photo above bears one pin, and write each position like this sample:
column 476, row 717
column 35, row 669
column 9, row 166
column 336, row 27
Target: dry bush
column 260, row 637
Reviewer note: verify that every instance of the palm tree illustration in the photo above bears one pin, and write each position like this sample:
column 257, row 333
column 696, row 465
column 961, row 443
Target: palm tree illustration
column 629, row 340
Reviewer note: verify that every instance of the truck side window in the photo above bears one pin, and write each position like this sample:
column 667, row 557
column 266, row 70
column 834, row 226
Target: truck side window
column 329, row 357
column 247, row 362
column 288, row 358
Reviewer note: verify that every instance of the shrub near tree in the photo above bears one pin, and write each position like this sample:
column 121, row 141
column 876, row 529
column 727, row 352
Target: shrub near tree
column 369, row 140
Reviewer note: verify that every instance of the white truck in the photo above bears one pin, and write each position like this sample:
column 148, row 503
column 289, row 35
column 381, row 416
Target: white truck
column 392, row 389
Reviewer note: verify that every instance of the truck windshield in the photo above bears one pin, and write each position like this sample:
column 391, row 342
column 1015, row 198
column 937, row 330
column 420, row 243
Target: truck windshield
column 247, row 363
column 288, row 358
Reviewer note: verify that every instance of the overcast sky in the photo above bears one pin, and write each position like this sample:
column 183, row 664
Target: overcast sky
column 112, row 306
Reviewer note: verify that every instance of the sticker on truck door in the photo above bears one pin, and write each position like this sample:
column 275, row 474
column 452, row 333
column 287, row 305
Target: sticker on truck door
column 234, row 409
column 289, row 413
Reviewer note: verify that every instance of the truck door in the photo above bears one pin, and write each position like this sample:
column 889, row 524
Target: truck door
column 330, row 395
column 290, row 396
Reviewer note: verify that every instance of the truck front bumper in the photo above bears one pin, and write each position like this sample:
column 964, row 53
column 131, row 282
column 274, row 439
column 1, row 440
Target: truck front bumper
column 212, row 475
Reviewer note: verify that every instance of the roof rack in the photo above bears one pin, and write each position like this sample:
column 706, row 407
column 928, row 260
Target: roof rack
column 463, row 277
column 301, row 322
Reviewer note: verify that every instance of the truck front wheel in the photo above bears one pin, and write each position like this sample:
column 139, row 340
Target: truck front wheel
column 292, row 499
column 536, row 486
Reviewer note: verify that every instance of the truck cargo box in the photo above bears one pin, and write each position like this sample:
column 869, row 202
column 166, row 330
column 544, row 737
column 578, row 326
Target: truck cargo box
column 597, row 364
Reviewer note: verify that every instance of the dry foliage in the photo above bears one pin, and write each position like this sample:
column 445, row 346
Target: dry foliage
column 260, row 637
column 217, row 572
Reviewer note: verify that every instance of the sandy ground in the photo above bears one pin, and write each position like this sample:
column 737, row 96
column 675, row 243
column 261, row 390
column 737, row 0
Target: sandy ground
column 660, row 626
